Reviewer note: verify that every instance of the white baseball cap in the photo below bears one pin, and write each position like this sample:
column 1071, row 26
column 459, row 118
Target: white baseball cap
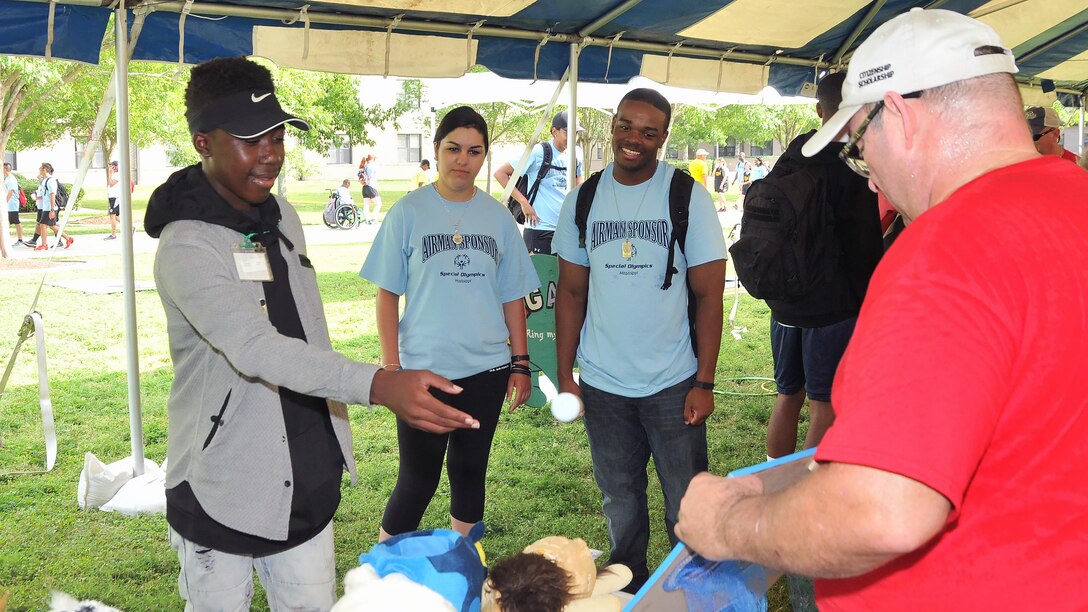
column 920, row 49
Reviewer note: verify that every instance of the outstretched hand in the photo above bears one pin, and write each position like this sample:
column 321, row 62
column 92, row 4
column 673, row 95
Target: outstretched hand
column 407, row 394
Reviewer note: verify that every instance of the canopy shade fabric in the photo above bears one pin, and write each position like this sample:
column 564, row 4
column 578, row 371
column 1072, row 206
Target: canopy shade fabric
column 736, row 46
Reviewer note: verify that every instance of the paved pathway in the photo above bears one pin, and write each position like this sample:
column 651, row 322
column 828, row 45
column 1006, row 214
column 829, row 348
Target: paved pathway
column 92, row 245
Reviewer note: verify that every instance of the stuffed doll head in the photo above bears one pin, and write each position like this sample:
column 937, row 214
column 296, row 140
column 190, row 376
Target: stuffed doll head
column 529, row 583
column 554, row 574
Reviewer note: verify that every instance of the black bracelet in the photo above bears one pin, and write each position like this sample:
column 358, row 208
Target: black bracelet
column 520, row 369
column 519, row 358
column 702, row 385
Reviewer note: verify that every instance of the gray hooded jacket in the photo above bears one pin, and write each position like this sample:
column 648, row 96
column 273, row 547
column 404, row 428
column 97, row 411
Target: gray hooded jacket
column 229, row 360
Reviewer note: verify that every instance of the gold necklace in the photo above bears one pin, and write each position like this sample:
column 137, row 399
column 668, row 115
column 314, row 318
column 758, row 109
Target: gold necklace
column 627, row 248
column 457, row 237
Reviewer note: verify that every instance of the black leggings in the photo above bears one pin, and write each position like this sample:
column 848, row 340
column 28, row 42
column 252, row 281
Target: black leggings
column 421, row 455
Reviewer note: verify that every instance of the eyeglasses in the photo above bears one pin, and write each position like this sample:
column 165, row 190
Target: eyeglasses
column 850, row 153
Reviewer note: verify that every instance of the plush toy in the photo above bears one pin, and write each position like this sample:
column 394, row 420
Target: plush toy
column 446, row 563
column 366, row 591
column 62, row 602
column 554, row 574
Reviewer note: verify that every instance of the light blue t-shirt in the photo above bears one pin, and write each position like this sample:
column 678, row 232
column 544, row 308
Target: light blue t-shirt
column 759, row 171
column 742, row 167
column 635, row 340
column 45, row 188
column 12, row 185
column 553, row 187
column 453, row 320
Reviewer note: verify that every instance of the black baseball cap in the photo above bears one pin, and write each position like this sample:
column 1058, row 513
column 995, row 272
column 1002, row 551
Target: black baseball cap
column 559, row 121
column 246, row 114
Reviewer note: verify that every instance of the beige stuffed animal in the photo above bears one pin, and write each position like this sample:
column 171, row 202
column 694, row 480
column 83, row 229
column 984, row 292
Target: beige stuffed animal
column 554, row 574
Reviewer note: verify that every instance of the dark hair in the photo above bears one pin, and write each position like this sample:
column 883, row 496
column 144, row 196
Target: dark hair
column 221, row 77
column 651, row 97
column 829, row 92
column 424, row 163
column 7, row 165
column 529, row 582
column 48, row 167
column 462, row 117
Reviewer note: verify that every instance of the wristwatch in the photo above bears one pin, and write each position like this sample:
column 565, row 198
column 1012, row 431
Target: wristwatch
column 709, row 386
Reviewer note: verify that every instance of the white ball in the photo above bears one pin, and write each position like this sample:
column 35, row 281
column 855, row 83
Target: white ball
column 566, row 407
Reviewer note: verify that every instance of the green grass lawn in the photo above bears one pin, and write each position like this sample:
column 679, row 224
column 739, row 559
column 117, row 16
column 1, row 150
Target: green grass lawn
column 540, row 481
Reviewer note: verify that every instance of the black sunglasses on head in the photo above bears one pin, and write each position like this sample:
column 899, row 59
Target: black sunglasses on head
column 1042, row 133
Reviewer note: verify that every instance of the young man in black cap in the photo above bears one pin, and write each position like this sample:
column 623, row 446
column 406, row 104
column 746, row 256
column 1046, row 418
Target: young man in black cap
column 259, row 434
column 542, row 214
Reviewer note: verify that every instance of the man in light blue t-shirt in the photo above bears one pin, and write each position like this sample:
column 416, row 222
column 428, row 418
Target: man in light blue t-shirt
column 542, row 213
column 646, row 392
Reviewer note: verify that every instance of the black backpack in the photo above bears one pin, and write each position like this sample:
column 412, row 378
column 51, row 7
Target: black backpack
column 679, row 201
column 62, row 195
column 787, row 242
column 523, row 185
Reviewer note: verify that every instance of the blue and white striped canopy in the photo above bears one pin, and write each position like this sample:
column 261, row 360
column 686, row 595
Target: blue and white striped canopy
column 738, row 46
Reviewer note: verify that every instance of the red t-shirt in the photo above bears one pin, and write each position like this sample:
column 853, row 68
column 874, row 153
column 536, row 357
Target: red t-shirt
column 966, row 372
column 1071, row 156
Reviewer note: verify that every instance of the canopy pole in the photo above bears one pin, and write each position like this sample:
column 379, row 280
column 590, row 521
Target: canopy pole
column 1080, row 132
column 135, row 417
column 572, row 120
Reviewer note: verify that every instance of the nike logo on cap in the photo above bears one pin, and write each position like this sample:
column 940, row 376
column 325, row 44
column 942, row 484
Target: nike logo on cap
column 257, row 98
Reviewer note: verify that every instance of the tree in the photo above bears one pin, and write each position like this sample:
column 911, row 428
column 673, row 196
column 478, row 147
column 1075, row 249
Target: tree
column 151, row 86
column 506, row 123
column 331, row 104
column 692, row 125
column 743, row 122
column 596, row 131
column 791, row 120
column 26, row 85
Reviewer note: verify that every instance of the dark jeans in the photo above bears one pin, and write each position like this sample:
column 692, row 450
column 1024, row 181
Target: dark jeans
column 624, row 432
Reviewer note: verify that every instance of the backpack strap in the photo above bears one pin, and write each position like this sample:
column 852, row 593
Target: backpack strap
column 545, row 167
column 582, row 203
column 679, row 202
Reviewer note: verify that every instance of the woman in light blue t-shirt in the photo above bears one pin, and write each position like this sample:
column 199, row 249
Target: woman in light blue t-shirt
column 456, row 255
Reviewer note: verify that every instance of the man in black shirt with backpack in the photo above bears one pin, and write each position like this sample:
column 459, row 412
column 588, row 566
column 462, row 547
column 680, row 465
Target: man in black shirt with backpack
column 810, row 240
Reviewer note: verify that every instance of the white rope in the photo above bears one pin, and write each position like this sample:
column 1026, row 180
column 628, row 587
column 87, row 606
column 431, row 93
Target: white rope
column 389, row 42
column 468, row 45
column 49, row 35
column 721, row 65
column 304, row 15
column 668, row 63
column 767, row 68
column 32, row 324
column 536, row 56
column 181, row 38
column 608, row 64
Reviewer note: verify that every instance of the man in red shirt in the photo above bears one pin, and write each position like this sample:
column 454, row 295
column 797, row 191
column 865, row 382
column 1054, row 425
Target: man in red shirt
column 953, row 477
column 1046, row 131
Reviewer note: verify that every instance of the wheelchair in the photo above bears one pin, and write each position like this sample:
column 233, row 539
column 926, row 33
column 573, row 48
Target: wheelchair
column 339, row 214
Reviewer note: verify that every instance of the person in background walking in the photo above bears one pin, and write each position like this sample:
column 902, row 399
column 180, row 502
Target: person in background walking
column 113, row 194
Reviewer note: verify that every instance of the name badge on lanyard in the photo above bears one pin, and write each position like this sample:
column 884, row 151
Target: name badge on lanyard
column 251, row 260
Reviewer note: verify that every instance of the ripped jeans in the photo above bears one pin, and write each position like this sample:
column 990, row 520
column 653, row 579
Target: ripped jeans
column 302, row 578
